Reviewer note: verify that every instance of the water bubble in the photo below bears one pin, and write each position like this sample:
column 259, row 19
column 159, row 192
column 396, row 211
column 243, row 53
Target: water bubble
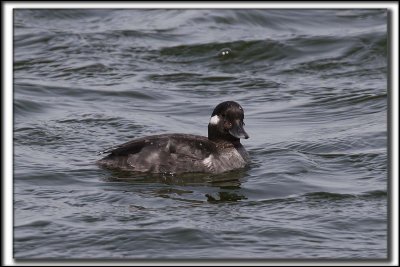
column 224, row 52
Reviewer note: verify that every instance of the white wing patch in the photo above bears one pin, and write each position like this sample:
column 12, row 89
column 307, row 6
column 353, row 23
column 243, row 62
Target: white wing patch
column 208, row 161
column 214, row 120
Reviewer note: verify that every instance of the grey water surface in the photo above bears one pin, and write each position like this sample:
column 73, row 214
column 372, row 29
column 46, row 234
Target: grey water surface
column 313, row 84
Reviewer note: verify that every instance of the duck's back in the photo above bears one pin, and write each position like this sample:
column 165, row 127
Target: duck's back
column 167, row 153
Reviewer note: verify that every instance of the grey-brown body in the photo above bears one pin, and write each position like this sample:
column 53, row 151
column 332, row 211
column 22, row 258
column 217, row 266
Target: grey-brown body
column 183, row 153
column 176, row 153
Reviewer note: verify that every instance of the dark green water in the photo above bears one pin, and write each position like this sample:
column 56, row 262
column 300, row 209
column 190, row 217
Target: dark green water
column 313, row 84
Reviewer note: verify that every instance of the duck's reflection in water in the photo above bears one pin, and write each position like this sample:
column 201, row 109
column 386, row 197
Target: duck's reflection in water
column 227, row 184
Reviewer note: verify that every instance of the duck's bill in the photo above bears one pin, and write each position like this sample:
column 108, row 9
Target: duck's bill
column 238, row 131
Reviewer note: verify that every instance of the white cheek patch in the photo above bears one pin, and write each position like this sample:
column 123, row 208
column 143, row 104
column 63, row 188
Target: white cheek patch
column 214, row 120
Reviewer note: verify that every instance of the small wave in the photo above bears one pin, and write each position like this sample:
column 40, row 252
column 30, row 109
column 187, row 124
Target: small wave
column 320, row 196
column 31, row 39
column 191, row 80
column 332, row 106
column 155, row 34
column 89, row 67
column 358, row 55
column 57, row 14
column 24, row 106
column 327, row 196
column 174, row 77
column 339, row 196
column 359, row 13
column 35, row 223
column 100, row 120
column 347, row 100
column 307, row 53
column 243, row 51
column 38, row 136
column 375, row 194
column 341, row 147
column 31, row 89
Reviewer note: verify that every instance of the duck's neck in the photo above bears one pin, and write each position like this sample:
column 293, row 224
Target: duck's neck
column 215, row 135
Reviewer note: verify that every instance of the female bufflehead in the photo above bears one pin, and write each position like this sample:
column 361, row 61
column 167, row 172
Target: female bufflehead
column 183, row 153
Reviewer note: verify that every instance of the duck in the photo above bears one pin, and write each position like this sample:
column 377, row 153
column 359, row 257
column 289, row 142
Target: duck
column 177, row 153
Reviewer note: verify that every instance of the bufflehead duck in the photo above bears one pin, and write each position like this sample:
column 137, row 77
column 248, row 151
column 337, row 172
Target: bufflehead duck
column 185, row 153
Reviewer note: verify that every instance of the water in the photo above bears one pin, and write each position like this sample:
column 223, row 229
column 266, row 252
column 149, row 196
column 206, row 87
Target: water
column 313, row 84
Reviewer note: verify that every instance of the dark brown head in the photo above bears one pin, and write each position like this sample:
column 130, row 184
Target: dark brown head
column 226, row 122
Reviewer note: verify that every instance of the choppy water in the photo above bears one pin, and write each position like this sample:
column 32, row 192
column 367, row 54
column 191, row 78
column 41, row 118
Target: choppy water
column 313, row 84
